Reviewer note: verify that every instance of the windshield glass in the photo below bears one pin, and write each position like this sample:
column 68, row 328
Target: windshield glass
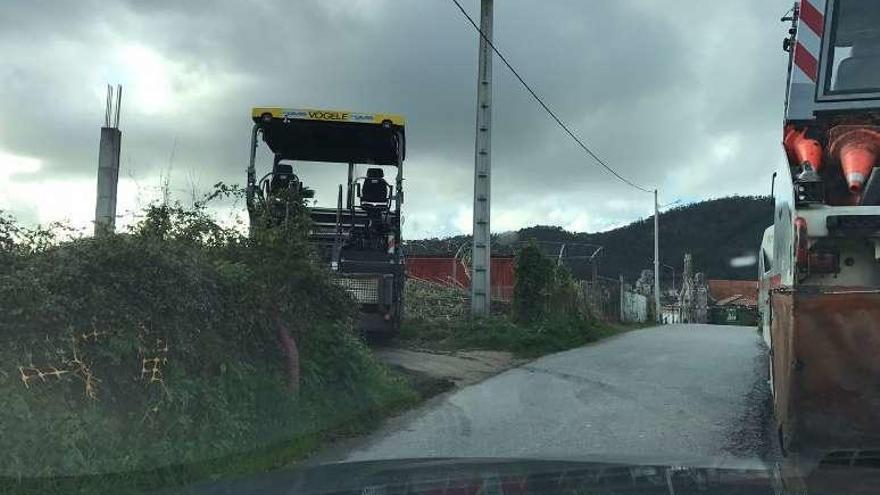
column 452, row 247
column 854, row 48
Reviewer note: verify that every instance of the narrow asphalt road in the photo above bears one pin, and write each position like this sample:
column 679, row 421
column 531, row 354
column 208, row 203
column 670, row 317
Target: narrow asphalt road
column 676, row 392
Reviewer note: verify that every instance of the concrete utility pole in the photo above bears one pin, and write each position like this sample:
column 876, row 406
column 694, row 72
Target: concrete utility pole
column 108, row 165
column 481, row 254
column 656, row 258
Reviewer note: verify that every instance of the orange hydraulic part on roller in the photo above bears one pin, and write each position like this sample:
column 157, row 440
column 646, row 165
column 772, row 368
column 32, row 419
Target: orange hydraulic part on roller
column 801, row 148
column 858, row 149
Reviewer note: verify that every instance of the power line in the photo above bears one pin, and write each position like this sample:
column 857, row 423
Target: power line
column 546, row 108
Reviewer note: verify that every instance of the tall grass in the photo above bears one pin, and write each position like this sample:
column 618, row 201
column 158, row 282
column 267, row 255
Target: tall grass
column 501, row 333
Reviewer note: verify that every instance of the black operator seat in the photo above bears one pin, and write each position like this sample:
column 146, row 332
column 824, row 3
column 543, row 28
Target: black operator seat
column 861, row 70
column 376, row 193
column 282, row 177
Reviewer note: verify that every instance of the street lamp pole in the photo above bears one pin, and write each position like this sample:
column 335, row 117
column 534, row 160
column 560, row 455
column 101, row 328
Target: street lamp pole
column 657, row 207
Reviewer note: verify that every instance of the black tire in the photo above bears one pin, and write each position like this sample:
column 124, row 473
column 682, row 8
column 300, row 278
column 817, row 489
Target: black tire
column 379, row 338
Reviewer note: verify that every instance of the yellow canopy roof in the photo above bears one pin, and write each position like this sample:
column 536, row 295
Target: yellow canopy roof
column 332, row 135
column 327, row 115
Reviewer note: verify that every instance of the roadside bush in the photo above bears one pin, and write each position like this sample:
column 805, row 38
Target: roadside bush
column 501, row 333
column 547, row 314
column 543, row 289
column 181, row 345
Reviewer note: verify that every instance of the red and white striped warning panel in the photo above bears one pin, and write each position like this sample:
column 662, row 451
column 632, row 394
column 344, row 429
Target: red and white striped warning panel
column 811, row 24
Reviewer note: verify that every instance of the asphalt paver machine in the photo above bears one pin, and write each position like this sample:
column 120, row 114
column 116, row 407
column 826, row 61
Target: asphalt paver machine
column 358, row 239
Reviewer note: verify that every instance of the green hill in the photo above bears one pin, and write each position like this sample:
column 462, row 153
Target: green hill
column 715, row 232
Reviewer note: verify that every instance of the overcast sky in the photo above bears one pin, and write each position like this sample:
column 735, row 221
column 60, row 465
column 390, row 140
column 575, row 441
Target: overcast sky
column 683, row 95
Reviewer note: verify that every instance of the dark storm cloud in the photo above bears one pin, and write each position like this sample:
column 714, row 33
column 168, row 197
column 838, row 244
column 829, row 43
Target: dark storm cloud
column 673, row 94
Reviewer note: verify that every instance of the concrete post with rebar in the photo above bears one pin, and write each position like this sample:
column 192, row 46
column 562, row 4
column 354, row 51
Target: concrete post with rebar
column 108, row 165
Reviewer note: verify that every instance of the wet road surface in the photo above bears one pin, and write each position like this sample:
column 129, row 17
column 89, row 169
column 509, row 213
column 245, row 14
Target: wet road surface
column 677, row 391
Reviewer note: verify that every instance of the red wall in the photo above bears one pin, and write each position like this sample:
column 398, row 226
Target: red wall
column 450, row 272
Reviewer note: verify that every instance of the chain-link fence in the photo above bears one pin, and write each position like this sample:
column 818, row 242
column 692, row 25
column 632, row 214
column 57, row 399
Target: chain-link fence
column 602, row 296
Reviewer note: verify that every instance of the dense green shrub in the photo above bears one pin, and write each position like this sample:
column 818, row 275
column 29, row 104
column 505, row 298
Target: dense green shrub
column 163, row 347
column 543, row 289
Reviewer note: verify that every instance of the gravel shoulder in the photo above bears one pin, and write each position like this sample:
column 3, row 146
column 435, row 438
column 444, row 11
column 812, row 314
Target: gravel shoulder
column 460, row 368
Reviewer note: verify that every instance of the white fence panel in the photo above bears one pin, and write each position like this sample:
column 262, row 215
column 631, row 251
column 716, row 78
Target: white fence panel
column 635, row 308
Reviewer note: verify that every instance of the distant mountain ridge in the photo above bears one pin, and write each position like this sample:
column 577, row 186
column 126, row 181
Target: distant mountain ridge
column 716, row 232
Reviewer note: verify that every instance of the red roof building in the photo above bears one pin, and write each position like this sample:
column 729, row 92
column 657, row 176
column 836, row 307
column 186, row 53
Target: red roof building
column 451, row 272
column 734, row 292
